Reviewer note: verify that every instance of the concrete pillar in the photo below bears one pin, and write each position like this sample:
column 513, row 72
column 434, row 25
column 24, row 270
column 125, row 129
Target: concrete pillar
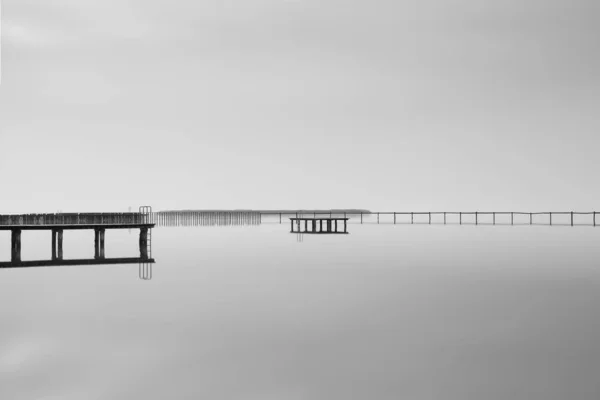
column 345, row 226
column 15, row 245
column 530, row 219
column 320, row 225
column 54, row 234
column 429, row 218
column 305, row 225
column 512, row 218
column 314, row 225
column 96, row 243
column 412, row 218
column 394, row 218
column 476, row 221
column 336, row 225
column 550, row 219
column 494, row 214
column 292, row 225
column 102, row 234
column 60, row 244
column 444, row 218
column 144, row 243
column 460, row 218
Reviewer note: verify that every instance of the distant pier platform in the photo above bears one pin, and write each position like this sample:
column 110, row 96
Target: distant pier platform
column 319, row 225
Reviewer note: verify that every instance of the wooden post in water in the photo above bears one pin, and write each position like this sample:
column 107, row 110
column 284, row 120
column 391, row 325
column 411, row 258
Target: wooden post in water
column 550, row 218
column 412, row 218
column 279, row 217
column 394, row 218
column 476, row 222
column 494, row 215
column 377, row 217
column 444, row 217
column 361, row 217
column 430, row 218
column 512, row 218
column 530, row 219
column 15, row 236
column 460, row 217
column 594, row 218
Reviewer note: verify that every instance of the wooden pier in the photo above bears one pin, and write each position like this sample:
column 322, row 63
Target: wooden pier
column 316, row 225
column 58, row 223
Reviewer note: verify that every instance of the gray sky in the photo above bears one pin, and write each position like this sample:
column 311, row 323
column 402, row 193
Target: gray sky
column 380, row 104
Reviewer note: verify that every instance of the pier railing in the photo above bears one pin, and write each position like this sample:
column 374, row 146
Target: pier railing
column 71, row 219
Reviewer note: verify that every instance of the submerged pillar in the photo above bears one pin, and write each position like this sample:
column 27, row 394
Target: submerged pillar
column 15, row 245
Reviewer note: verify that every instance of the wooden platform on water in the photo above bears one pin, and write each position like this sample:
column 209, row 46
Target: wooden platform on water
column 316, row 226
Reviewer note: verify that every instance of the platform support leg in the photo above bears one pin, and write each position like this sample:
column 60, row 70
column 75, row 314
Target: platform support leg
column 54, row 234
column 144, row 243
column 15, row 237
column 59, row 244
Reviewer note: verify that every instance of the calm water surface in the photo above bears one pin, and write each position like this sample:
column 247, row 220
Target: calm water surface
column 386, row 312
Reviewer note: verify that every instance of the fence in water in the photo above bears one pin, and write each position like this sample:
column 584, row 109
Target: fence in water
column 205, row 218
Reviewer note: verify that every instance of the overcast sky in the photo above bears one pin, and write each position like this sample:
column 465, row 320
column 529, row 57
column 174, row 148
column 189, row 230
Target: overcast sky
column 391, row 105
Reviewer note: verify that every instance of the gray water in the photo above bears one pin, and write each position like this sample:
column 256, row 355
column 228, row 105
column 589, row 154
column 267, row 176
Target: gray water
column 250, row 312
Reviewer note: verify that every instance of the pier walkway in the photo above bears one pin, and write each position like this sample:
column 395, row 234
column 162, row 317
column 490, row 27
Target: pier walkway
column 58, row 223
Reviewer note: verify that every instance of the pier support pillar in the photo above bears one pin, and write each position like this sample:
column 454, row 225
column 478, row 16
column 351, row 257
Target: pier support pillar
column 54, row 234
column 345, row 226
column 494, row 214
column 59, row 243
column 476, row 219
column 305, row 225
column 550, row 219
column 99, row 243
column 444, row 218
column 571, row 218
column 292, row 225
column 460, row 218
column 15, row 245
column 512, row 218
column 336, row 225
column 320, row 225
column 530, row 219
column 144, row 243
column 314, row 225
